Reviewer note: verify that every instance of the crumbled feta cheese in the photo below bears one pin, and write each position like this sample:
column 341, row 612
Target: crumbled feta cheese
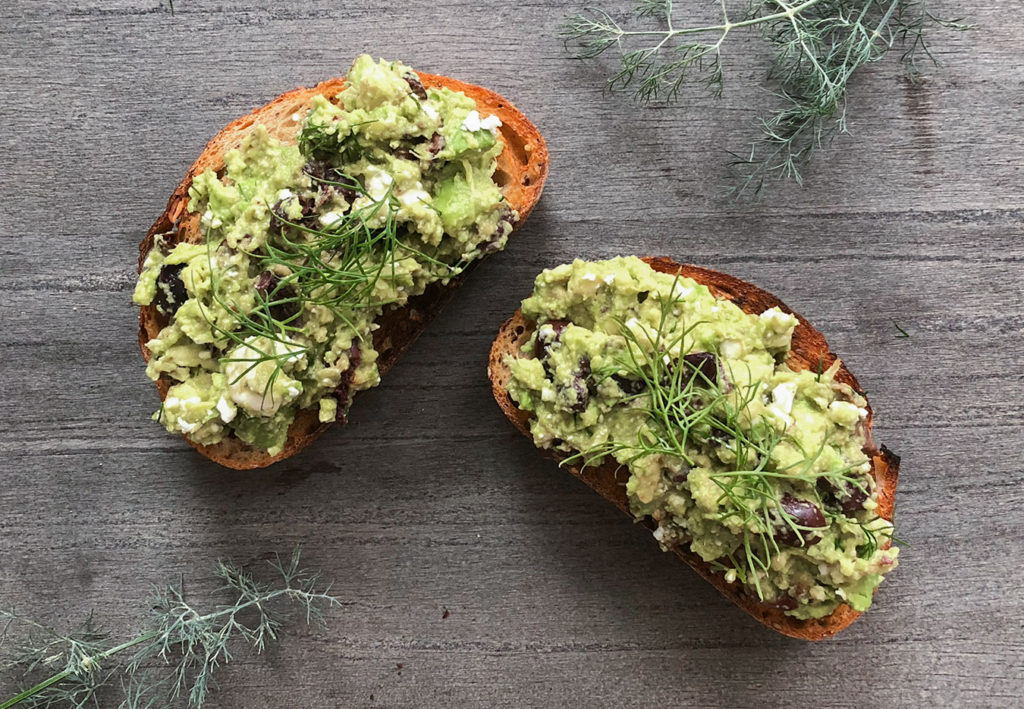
column 377, row 182
column 472, row 122
column 330, row 218
column 782, row 402
column 731, row 349
column 285, row 194
column 414, row 196
column 185, row 426
column 844, row 413
column 250, row 374
column 778, row 320
column 681, row 291
column 609, row 279
column 491, row 123
column 589, row 277
column 783, row 395
column 778, row 329
column 429, row 109
column 209, row 220
column 227, row 410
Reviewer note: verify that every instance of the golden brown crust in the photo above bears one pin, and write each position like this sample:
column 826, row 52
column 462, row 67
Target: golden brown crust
column 522, row 169
column 609, row 481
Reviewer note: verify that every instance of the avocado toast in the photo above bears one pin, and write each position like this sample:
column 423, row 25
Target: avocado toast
column 311, row 243
column 703, row 407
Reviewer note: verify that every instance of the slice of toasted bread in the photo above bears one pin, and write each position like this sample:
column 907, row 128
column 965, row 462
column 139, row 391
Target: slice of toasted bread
column 521, row 171
column 609, row 479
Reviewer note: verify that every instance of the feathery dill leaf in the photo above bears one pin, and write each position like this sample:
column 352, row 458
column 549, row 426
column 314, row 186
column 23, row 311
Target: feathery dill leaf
column 175, row 655
column 817, row 47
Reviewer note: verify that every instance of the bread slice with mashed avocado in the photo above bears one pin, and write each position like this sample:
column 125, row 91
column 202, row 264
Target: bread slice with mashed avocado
column 706, row 409
column 313, row 240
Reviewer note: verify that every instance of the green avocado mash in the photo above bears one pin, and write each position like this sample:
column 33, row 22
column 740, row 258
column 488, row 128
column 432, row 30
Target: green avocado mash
column 758, row 468
column 385, row 190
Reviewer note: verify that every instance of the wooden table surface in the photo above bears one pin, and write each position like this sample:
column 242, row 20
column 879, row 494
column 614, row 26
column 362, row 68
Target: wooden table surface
column 428, row 501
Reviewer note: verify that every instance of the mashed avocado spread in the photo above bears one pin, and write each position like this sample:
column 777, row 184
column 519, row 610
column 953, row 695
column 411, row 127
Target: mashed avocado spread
column 758, row 468
column 385, row 190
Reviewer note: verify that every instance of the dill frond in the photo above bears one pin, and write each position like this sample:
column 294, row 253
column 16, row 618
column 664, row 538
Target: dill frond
column 336, row 266
column 177, row 652
column 817, row 47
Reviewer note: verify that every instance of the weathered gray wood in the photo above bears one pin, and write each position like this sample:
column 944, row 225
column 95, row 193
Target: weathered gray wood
column 554, row 598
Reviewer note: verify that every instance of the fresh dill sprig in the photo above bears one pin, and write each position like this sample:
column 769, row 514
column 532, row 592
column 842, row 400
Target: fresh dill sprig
column 249, row 328
column 186, row 643
column 817, row 47
column 337, row 266
column 901, row 333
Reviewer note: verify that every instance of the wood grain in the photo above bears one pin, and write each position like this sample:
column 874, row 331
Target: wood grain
column 429, row 500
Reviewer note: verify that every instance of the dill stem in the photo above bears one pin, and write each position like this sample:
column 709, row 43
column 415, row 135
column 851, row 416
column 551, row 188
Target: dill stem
column 727, row 26
column 790, row 13
column 47, row 683
column 877, row 33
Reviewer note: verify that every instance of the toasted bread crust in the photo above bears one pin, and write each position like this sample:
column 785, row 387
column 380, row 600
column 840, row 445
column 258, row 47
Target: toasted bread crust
column 522, row 169
column 609, row 479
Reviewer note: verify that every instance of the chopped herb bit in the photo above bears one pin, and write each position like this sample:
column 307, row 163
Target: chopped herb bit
column 900, row 332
